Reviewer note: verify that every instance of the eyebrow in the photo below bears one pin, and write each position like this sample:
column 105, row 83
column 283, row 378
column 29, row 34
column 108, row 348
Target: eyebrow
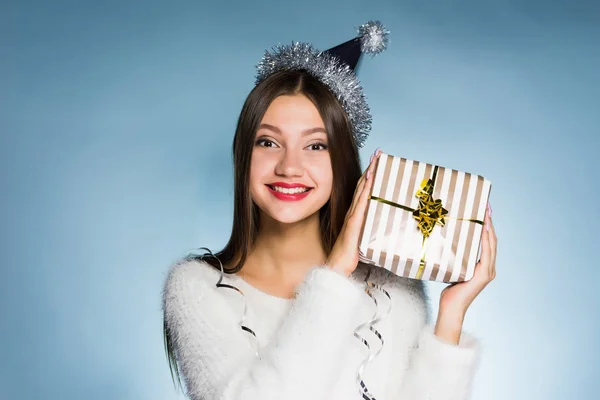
column 304, row 132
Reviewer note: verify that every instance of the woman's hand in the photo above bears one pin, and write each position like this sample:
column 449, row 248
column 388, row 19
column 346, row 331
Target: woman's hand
column 456, row 298
column 344, row 254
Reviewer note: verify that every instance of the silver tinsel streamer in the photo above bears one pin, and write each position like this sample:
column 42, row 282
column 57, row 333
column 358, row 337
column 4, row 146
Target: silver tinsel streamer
column 364, row 390
column 222, row 285
column 336, row 75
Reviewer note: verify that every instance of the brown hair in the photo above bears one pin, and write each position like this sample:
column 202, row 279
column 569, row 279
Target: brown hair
column 344, row 160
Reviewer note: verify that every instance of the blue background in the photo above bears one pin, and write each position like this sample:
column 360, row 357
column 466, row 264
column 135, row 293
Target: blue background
column 116, row 122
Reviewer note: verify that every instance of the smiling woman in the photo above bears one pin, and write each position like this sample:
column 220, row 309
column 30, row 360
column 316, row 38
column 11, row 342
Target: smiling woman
column 299, row 205
column 276, row 144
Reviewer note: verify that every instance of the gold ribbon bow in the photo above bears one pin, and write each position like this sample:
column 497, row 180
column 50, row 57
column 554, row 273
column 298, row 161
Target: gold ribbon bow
column 430, row 212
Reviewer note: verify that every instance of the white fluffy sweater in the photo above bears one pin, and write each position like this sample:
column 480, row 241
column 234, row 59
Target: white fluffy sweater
column 307, row 346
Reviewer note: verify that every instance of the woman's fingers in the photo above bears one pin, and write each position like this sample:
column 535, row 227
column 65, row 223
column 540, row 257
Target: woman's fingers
column 493, row 243
column 357, row 190
column 366, row 177
column 488, row 249
column 357, row 216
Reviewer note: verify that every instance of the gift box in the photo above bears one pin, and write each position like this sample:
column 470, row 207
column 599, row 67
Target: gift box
column 424, row 221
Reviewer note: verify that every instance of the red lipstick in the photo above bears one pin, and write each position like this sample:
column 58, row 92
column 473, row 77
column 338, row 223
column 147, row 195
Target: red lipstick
column 286, row 196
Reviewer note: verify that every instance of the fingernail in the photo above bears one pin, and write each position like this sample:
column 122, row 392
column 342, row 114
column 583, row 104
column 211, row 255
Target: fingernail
column 377, row 151
column 490, row 207
column 487, row 227
column 371, row 160
column 368, row 174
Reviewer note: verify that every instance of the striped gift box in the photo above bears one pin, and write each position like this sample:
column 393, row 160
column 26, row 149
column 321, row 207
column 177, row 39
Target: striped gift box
column 424, row 221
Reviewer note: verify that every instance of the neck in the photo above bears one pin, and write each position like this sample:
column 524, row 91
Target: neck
column 285, row 252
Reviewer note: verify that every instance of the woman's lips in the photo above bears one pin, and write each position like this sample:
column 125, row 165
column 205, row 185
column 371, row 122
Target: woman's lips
column 288, row 196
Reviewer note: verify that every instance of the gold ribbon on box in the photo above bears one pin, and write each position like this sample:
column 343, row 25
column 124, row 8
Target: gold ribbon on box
column 429, row 213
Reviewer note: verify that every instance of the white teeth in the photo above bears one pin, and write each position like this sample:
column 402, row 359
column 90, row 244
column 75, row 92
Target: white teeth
column 290, row 190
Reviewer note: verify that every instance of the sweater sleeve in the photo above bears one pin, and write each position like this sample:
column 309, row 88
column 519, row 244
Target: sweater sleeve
column 217, row 359
column 424, row 367
column 440, row 370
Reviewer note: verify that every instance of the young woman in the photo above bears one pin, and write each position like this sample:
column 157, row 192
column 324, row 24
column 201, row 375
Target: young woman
column 293, row 262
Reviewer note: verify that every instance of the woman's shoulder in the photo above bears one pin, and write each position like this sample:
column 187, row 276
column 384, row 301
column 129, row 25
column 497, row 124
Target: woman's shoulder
column 188, row 277
column 191, row 268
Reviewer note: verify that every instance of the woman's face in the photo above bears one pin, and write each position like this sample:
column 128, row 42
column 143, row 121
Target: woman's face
column 290, row 173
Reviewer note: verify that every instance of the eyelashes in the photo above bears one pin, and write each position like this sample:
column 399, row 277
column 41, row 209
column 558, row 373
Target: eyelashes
column 264, row 142
column 316, row 146
column 322, row 145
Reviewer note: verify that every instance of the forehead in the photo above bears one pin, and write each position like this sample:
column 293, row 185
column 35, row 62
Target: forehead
column 291, row 112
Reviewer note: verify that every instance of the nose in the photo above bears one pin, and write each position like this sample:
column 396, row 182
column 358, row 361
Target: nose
column 290, row 164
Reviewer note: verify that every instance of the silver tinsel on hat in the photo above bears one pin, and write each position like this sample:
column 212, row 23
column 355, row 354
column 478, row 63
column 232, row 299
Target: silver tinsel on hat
column 373, row 37
column 336, row 75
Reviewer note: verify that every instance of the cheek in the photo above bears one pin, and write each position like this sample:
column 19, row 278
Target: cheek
column 260, row 167
column 254, row 176
column 322, row 173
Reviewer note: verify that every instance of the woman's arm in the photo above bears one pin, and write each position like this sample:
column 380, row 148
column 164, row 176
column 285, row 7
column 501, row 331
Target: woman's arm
column 438, row 370
column 217, row 358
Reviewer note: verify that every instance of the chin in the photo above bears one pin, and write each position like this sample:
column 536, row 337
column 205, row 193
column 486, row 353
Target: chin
column 289, row 214
column 292, row 218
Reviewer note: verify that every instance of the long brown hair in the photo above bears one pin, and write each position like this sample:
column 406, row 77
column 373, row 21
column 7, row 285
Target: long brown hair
column 345, row 164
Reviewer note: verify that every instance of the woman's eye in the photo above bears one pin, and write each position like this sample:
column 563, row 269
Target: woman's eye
column 318, row 146
column 265, row 143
